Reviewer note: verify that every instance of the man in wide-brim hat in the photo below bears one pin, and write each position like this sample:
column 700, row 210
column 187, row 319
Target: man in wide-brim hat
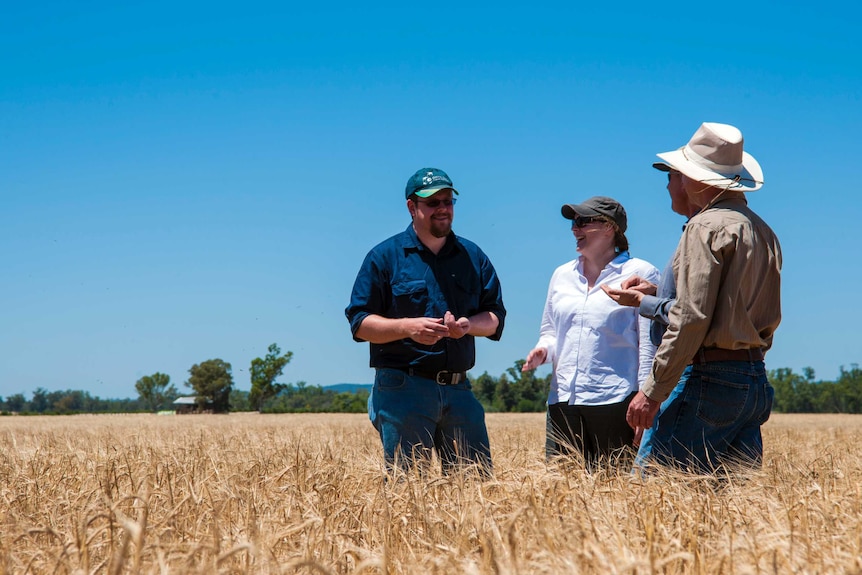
column 707, row 395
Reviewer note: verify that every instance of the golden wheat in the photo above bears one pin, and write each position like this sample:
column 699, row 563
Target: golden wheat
column 248, row 493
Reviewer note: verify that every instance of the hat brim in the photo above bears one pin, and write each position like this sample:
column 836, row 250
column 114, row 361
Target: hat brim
column 569, row 211
column 427, row 192
column 748, row 179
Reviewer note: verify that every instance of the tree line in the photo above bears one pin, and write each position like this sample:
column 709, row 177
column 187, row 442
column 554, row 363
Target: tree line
column 211, row 384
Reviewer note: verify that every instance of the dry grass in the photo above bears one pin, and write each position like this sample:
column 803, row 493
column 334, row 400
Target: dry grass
column 304, row 494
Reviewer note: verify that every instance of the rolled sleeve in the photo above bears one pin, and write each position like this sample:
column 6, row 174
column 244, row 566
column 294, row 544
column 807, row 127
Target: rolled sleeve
column 367, row 295
column 492, row 297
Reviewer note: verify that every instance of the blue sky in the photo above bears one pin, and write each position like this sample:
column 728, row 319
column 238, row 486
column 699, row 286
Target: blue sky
column 187, row 181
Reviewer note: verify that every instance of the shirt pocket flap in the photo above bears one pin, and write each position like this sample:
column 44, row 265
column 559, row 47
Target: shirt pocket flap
column 408, row 287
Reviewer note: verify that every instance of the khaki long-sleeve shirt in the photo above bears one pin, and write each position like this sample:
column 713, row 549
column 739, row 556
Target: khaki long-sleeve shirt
column 727, row 267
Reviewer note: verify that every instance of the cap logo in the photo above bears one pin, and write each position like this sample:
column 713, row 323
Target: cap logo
column 430, row 178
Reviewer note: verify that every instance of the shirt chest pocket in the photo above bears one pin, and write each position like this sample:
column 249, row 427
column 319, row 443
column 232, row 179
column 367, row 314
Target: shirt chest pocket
column 410, row 298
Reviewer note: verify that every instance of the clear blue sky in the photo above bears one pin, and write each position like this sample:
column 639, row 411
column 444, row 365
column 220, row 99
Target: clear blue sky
column 187, row 181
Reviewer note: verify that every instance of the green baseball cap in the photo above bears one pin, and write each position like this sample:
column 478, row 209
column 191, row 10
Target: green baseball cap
column 427, row 182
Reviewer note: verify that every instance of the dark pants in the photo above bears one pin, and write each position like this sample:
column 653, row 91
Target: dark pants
column 597, row 432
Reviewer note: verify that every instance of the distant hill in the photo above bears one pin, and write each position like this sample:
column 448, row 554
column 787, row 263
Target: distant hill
column 349, row 387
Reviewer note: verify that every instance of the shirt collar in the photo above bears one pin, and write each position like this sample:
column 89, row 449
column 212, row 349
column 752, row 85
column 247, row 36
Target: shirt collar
column 618, row 261
column 727, row 197
column 733, row 197
column 410, row 240
column 615, row 264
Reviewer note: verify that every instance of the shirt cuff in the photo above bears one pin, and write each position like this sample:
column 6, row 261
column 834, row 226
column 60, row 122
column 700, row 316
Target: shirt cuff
column 649, row 306
column 655, row 390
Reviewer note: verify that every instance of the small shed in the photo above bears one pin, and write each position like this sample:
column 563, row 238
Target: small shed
column 190, row 404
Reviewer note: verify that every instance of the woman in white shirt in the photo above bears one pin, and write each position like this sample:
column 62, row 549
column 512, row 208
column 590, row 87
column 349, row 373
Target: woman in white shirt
column 601, row 351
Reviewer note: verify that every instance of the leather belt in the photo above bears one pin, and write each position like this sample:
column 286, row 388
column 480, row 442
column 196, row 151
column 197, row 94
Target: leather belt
column 441, row 377
column 708, row 355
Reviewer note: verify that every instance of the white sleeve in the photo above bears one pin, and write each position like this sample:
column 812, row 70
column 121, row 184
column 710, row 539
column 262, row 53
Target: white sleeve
column 548, row 330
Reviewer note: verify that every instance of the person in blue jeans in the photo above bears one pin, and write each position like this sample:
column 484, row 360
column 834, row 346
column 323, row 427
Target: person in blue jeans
column 707, row 395
column 419, row 299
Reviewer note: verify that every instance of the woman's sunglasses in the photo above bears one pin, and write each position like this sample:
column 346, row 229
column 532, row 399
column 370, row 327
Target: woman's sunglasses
column 581, row 221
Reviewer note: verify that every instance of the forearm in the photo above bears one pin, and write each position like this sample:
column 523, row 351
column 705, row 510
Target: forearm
column 698, row 278
column 483, row 324
column 680, row 342
column 646, row 351
column 379, row 329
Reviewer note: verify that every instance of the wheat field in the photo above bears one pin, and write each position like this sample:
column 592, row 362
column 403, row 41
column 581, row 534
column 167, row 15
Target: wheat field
column 249, row 493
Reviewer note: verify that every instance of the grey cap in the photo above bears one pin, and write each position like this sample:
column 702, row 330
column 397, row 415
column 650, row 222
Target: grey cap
column 598, row 206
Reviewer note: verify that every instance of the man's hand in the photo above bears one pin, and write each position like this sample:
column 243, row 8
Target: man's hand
column 535, row 358
column 639, row 434
column 626, row 297
column 637, row 283
column 642, row 411
column 425, row 330
column 458, row 328
column 631, row 292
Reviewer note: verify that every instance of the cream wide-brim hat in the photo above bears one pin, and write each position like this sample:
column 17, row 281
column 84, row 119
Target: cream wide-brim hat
column 714, row 156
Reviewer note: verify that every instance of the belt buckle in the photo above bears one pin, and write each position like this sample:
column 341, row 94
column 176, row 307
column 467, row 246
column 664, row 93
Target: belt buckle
column 452, row 380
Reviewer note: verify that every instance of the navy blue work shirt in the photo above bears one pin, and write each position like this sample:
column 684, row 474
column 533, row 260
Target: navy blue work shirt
column 401, row 278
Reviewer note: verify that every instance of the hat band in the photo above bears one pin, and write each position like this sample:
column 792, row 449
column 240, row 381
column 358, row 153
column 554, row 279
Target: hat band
column 723, row 169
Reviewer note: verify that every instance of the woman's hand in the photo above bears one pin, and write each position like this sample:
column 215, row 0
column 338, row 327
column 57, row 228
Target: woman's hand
column 535, row 358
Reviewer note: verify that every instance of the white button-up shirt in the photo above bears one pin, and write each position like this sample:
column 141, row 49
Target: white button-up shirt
column 601, row 350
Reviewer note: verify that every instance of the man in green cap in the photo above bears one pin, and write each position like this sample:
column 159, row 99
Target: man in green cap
column 420, row 298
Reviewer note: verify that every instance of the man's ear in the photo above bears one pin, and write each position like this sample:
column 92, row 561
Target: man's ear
column 411, row 207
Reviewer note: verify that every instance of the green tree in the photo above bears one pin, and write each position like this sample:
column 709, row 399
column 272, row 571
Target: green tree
column 212, row 382
column 849, row 386
column 16, row 402
column 39, row 402
column 239, row 400
column 263, row 374
column 530, row 392
column 484, row 388
column 156, row 390
column 794, row 393
column 504, row 395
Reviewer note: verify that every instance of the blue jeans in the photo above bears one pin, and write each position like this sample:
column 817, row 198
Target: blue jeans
column 415, row 415
column 712, row 419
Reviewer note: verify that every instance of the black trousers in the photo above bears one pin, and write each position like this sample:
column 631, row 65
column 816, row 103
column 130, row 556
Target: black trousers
column 597, row 432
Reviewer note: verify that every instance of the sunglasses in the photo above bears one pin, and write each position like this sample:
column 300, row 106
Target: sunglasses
column 580, row 221
column 433, row 204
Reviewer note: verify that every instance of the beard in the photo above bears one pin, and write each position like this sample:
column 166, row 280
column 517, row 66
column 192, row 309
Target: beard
column 441, row 229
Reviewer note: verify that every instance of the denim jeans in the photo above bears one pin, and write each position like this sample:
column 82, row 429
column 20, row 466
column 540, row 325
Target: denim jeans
column 711, row 420
column 415, row 415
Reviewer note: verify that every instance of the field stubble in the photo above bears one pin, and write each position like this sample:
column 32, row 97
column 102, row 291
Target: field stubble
column 249, row 493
